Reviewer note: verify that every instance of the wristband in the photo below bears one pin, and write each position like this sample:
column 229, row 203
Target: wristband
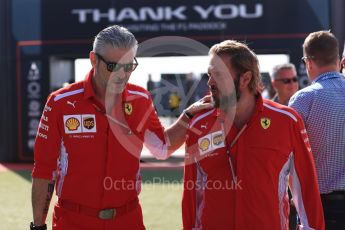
column 42, row 227
column 188, row 115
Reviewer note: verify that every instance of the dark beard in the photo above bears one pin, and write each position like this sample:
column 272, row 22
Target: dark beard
column 229, row 101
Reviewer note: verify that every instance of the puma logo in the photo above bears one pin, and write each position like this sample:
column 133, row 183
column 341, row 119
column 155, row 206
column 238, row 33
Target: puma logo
column 72, row 104
column 203, row 126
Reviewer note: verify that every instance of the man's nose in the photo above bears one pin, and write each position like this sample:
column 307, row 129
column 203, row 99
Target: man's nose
column 211, row 81
column 120, row 74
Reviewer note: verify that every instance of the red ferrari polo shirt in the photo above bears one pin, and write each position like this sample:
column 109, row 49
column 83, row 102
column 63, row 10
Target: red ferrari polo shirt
column 249, row 191
column 77, row 145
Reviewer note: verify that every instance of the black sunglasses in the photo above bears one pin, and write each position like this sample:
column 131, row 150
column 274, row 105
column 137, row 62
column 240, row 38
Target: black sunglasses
column 288, row 80
column 113, row 66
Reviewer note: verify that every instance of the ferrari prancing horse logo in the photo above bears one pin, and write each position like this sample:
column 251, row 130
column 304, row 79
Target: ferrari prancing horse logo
column 265, row 122
column 128, row 108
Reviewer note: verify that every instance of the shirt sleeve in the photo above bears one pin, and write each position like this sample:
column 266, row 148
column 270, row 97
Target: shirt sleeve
column 304, row 186
column 47, row 143
column 302, row 102
column 154, row 138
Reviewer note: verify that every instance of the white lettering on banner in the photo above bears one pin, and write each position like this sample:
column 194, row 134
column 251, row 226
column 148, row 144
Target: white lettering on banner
column 178, row 13
column 182, row 26
column 143, row 27
column 228, row 11
column 127, row 13
column 97, row 15
column 34, row 108
column 168, row 26
column 259, row 11
column 143, row 14
column 206, row 26
column 31, row 143
column 168, row 13
column 34, row 105
column 34, row 89
column 82, row 13
column 146, row 13
column 204, row 13
column 33, row 125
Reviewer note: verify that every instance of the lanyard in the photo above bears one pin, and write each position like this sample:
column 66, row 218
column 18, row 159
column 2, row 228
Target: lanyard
column 234, row 177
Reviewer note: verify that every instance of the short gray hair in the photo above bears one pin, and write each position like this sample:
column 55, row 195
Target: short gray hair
column 276, row 69
column 116, row 36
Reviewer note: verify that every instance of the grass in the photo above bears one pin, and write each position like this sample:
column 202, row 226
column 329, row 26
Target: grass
column 160, row 199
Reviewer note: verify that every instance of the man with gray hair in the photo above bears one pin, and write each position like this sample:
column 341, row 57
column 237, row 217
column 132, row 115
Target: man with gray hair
column 90, row 138
column 285, row 82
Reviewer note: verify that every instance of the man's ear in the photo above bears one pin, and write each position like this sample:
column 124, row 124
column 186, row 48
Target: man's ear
column 310, row 64
column 245, row 79
column 342, row 63
column 93, row 59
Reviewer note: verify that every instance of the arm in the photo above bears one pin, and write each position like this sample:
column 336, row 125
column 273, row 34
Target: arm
column 175, row 135
column 305, row 190
column 46, row 152
column 302, row 102
column 160, row 142
column 41, row 194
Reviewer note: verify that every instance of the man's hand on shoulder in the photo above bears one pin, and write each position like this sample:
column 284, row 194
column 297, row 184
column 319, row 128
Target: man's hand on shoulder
column 204, row 103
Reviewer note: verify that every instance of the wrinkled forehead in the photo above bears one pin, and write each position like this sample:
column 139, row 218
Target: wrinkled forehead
column 287, row 72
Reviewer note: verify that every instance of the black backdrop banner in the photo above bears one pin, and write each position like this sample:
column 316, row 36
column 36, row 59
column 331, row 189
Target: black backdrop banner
column 82, row 19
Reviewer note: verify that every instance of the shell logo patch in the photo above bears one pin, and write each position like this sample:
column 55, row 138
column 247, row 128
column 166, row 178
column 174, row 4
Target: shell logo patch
column 211, row 142
column 72, row 124
column 80, row 123
column 204, row 144
column 265, row 122
column 128, row 108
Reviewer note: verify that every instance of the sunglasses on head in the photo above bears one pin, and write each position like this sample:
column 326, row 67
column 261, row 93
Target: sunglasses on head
column 113, row 66
column 288, row 80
